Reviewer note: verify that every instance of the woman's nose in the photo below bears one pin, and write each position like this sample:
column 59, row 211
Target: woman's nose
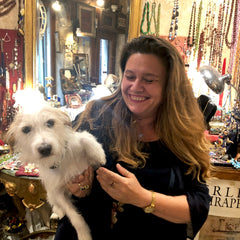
column 137, row 85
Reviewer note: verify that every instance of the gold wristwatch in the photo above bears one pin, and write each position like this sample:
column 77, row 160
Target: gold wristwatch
column 151, row 207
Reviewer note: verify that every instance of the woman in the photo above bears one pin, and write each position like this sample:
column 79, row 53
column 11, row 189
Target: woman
column 152, row 131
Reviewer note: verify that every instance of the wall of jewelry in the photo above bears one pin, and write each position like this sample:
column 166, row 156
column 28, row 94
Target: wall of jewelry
column 11, row 73
column 205, row 33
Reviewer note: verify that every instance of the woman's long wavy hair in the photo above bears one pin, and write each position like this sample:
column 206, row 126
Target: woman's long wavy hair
column 179, row 122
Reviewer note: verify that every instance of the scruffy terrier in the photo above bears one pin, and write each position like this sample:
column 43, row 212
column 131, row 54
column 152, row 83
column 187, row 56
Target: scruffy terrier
column 46, row 138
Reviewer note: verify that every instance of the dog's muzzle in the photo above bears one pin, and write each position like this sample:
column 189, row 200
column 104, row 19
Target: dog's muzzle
column 45, row 149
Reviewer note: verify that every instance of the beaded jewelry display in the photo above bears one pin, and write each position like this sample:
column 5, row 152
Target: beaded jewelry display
column 174, row 21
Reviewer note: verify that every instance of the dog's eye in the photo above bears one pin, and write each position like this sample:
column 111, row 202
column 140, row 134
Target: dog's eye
column 26, row 129
column 50, row 123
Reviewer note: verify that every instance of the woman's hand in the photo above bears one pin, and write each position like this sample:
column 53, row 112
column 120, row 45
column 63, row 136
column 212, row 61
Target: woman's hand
column 124, row 188
column 81, row 185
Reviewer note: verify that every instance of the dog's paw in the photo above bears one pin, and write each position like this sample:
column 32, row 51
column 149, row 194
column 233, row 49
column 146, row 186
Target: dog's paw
column 54, row 216
column 57, row 213
column 102, row 160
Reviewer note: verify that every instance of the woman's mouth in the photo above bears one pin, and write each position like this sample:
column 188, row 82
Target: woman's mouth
column 137, row 98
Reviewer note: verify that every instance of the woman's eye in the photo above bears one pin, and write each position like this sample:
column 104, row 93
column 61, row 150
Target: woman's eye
column 148, row 80
column 50, row 123
column 26, row 129
column 129, row 78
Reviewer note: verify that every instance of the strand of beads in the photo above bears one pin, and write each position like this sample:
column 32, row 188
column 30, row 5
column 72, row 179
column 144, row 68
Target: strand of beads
column 198, row 27
column 191, row 32
column 158, row 20
column 145, row 10
column 174, row 22
column 153, row 18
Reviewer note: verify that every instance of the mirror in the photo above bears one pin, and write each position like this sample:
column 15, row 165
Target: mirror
column 65, row 60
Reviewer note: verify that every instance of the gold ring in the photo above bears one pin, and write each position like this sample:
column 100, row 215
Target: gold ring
column 85, row 187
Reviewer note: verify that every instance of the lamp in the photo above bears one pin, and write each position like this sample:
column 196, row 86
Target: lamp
column 56, row 6
column 100, row 3
column 214, row 79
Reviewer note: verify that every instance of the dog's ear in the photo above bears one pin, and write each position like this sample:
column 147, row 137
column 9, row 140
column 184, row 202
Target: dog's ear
column 64, row 117
column 10, row 135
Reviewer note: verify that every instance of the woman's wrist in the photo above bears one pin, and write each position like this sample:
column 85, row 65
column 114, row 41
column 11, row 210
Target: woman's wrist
column 144, row 199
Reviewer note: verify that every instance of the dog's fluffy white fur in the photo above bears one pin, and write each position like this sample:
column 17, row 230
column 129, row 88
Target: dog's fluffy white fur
column 46, row 138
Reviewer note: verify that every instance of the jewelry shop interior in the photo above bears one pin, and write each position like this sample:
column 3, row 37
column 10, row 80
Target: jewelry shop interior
column 67, row 52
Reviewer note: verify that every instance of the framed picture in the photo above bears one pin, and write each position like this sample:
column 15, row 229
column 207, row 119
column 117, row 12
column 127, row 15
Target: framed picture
column 108, row 20
column 73, row 100
column 86, row 16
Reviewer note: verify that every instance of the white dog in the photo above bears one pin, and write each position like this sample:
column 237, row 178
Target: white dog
column 46, row 138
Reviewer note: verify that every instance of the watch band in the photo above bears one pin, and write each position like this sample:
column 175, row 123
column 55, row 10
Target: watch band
column 151, row 207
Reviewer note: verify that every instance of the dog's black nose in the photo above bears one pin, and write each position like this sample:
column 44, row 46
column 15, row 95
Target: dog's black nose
column 45, row 149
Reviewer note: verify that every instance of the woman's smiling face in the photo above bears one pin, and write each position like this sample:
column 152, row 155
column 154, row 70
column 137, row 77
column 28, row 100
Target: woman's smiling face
column 142, row 84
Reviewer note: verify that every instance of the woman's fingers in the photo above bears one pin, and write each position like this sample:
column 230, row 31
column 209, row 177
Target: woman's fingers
column 81, row 185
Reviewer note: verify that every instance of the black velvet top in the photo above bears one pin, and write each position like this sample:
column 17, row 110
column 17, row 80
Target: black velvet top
column 163, row 173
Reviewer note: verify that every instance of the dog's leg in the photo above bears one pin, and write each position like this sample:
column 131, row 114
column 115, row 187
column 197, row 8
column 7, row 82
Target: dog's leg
column 76, row 219
column 93, row 149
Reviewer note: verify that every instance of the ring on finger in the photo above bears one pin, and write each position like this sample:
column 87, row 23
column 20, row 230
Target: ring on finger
column 85, row 187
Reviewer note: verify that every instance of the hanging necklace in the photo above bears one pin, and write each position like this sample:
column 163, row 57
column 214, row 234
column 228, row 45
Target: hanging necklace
column 191, row 32
column 233, row 44
column 145, row 10
column 153, row 17
column 221, row 34
column 236, row 72
column 229, row 44
column 198, row 27
column 158, row 20
column 174, row 22
column 200, row 50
